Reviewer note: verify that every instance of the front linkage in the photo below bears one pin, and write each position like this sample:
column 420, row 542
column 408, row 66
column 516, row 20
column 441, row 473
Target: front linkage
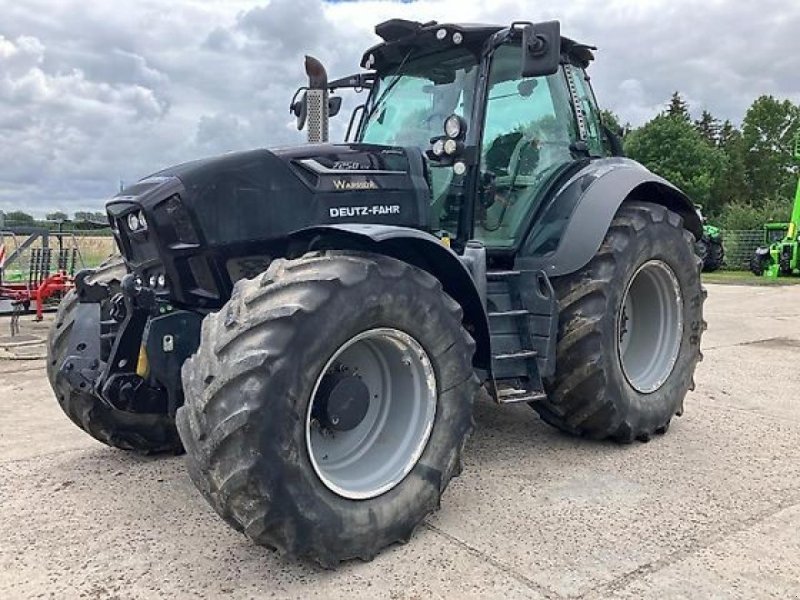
column 127, row 346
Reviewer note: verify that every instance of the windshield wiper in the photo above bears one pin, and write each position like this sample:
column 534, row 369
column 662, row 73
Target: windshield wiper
column 389, row 88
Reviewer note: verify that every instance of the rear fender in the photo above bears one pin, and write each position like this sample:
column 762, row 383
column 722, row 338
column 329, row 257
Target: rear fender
column 419, row 249
column 574, row 223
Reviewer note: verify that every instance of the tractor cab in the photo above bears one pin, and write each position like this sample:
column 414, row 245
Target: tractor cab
column 500, row 114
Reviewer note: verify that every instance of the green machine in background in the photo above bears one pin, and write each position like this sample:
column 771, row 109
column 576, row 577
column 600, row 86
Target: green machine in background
column 780, row 257
column 709, row 247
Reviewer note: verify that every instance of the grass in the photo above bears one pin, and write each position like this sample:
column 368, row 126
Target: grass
column 746, row 278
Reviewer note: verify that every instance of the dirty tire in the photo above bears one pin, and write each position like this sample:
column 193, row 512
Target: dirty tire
column 714, row 257
column 142, row 433
column 590, row 394
column 759, row 263
column 248, row 387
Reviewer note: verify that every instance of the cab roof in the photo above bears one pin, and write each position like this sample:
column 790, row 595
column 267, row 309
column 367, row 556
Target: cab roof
column 401, row 36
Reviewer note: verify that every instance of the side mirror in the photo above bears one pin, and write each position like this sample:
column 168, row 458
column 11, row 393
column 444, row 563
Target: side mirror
column 334, row 105
column 299, row 108
column 541, row 49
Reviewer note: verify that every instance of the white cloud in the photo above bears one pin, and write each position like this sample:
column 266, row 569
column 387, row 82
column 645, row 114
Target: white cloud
column 91, row 92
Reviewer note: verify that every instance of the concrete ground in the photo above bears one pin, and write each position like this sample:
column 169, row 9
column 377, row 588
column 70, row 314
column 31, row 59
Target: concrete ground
column 711, row 510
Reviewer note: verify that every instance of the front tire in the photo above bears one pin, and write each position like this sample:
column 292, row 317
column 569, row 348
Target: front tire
column 136, row 432
column 715, row 258
column 255, row 382
column 759, row 262
column 630, row 324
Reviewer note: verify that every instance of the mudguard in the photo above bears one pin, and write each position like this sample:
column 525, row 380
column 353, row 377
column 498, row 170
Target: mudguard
column 420, row 249
column 575, row 220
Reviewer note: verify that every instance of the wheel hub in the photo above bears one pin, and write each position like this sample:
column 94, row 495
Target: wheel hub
column 371, row 413
column 341, row 402
column 650, row 326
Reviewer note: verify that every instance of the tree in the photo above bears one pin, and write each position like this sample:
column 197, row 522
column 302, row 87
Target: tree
column 57, row 216
column 708, row 127
column 730, row 187
column 670, row 146
column 768, row 134
column 89, row 216
column 611, row 120
column 18, row 217
column 678, row 108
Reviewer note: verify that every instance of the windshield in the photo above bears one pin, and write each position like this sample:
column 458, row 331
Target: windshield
column 408, row 107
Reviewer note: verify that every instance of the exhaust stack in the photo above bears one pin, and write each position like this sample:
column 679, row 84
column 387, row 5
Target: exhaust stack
column 316, row 101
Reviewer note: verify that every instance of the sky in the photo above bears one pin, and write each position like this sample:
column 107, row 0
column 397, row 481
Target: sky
column 97, row 92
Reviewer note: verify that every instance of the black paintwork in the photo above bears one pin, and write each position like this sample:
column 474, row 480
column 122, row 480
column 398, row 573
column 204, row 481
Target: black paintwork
column 404, row 38
column 569, row 227
column 205, row 215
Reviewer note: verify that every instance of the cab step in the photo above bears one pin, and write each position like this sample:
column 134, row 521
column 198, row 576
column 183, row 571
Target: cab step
column 515, row 395
column 501, row 275
column 509, row 313
column 521, row 354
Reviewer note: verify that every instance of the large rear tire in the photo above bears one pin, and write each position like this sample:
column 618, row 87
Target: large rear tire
column 261, row 444
column 630, row 324
column 142, row 433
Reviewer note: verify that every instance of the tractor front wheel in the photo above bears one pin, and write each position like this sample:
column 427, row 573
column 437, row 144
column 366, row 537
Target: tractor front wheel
column 715, row 258
column 629, row 333
column 328, row 404
column 137, row 432
column 759, row 262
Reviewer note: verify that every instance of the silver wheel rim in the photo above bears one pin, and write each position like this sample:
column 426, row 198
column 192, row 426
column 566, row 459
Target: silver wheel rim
column 377, row 454
column 650, row 326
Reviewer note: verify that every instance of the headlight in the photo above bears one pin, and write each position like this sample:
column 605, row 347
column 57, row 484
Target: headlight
column 162, row 281
column 451, row 147
column 438, row 147
column 136, row 221
column 454, row 126
column 153, row 281
column 133, row 222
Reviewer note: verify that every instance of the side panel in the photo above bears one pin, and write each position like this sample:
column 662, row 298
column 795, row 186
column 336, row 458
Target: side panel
column 574, row 222
column 421, row 250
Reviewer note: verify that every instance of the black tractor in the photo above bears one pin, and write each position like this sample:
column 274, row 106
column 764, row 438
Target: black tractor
column 313, row 324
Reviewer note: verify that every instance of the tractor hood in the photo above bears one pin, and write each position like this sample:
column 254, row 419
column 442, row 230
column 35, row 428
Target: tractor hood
column 205, row 224
column 267, row 194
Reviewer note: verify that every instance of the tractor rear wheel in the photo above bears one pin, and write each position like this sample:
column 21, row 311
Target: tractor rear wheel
column 630, row 323
column 143, row 433
column 328, row 404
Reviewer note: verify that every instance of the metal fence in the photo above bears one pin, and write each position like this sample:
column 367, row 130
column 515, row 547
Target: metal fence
column 739, row 247
column 78, row 228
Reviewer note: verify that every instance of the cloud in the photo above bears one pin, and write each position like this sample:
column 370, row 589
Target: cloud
column 95, row 92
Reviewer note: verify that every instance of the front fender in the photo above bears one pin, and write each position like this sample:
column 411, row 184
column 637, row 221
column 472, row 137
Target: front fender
column 421, row 250
column 573, row 224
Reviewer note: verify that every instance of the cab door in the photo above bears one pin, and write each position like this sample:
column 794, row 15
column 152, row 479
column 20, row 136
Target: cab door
column 528, row 131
